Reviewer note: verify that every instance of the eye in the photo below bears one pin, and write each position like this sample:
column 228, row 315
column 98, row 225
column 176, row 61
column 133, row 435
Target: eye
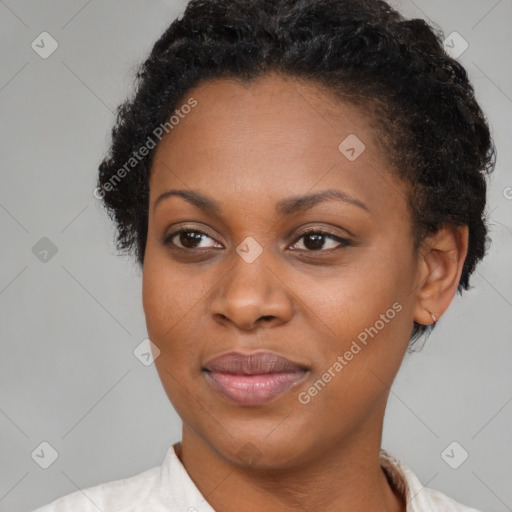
column 190, row 239
column 315, row 240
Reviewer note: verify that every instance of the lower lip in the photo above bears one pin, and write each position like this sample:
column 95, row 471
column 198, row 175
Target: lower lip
column 253, row 390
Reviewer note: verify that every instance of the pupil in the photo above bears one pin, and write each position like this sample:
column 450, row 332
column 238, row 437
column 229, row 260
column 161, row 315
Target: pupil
column 188, row 238
column 317, row 241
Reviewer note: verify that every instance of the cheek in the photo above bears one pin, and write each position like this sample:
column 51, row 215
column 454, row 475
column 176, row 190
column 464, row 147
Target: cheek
column 166, row 298
column 172, row 300
column 366, row 324
column 365, row 310
column 352, row 298
column 174, row 305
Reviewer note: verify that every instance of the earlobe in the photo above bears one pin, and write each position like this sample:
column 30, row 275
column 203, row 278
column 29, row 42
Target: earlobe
column 440, row 262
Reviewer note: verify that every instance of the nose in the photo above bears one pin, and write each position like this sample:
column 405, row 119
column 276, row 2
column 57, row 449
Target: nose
column 252, row 295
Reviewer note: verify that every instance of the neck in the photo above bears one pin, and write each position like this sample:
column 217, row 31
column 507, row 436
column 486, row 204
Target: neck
column 346, row 477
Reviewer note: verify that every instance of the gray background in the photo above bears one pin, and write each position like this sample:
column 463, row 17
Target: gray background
column 69, row 325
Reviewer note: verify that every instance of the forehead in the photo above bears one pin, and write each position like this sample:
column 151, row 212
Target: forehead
column 275, row 136
column 270, row 106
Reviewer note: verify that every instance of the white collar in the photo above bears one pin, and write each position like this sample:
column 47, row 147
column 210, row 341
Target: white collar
column 176, row 481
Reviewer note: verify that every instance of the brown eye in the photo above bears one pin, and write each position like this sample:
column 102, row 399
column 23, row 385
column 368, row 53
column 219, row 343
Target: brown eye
column 189, row 239
column 317, row 240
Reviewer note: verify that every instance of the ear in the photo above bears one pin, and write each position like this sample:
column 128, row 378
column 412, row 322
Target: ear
column 440, row 261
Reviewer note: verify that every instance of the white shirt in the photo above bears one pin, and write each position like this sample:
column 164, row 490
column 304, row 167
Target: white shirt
column 169, row 488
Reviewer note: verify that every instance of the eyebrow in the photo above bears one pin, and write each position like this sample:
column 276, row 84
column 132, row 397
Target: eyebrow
column 288, row 206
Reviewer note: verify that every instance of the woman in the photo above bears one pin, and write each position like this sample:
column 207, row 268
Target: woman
column 303, row 185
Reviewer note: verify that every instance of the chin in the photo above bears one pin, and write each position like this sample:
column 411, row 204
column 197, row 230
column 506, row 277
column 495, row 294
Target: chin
column 260, row 445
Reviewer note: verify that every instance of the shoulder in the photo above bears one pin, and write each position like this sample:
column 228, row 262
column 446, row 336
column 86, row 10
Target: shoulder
column 120, row 495
column 440, row 501
column 417, row 497
column 164, row 488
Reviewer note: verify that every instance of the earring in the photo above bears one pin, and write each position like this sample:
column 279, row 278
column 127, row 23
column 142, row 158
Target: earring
column 433, row 318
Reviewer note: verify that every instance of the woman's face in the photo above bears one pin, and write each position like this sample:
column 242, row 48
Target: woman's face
column 246, row 286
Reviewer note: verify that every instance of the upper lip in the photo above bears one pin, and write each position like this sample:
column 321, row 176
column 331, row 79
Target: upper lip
column 257, row 363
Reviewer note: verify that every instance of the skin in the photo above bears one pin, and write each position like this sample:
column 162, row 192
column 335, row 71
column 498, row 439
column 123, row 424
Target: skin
column 247, row 147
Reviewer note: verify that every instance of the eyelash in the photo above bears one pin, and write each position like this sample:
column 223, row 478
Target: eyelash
column 343, row 242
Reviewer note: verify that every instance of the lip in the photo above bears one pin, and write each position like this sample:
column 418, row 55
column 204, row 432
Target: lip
column 253, row 379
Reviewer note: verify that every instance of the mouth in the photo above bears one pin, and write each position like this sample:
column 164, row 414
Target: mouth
column 253, row 379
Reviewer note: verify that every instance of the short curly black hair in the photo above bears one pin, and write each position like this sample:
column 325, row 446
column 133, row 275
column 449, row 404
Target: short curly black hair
column 431, row 127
